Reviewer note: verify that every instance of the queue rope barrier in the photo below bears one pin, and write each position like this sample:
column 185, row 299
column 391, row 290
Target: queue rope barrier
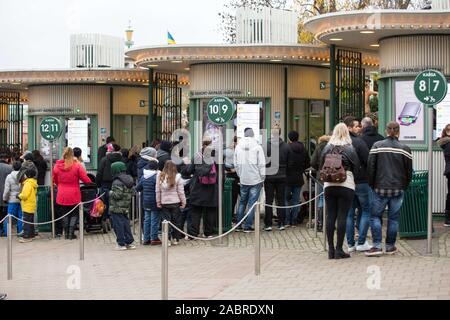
column 242, row 220
column 51, row 221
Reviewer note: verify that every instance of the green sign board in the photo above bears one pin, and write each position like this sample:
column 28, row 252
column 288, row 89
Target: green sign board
column 50, row 128
column 430, row 87
column 220, row 110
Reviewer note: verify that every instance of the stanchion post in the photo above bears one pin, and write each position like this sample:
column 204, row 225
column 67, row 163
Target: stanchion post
column 324, row 224
column 220, row 193
column 81, row 229
column 133, row 213
column 316, row 193
column 257, row 240
column 52, row 196
column 9, row 250
column 165, row 261
column 139, row 205
column 310, row 197
column 430, row 180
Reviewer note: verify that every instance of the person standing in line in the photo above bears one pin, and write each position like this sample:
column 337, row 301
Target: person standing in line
column 339, row 194
column 132, row 164
column 170, row 198
column 164, row 154
column 390, row 173
column 28, row 203
column 146, row 156
column 363, row 193
column 12, row 190
column 120, row 196
column 275, row 183
column 77, row 154
column 5, row 170
column 444, row 143
column 67, row 174
column 41, row 166
column 204, row 189
column 103, row 150
column 152, row 214
column 250, row 165
column 297, row 164
column 27, row 163
column 369, row 133
column 230, row 172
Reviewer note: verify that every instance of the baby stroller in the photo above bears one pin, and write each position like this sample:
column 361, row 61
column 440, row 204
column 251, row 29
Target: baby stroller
column 89, row 193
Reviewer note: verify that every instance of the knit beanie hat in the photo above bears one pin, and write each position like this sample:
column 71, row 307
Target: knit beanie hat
column 165, row 145
column 148, row 153
column 117, row 168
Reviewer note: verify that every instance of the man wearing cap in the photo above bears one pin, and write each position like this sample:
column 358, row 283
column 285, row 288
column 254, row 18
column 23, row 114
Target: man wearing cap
column 390, row 172
column 146, row 156
column 250, row 165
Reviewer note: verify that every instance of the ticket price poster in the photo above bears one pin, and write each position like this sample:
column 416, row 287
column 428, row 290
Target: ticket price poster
column 77, row 136
column 409, row 112
column 248, row 116
column 442, row 115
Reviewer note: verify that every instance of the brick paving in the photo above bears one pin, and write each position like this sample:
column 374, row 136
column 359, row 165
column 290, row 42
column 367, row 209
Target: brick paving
column 294, row 266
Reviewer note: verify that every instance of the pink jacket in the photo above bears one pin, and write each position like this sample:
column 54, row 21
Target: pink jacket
column 166, row 195
column 68, row 182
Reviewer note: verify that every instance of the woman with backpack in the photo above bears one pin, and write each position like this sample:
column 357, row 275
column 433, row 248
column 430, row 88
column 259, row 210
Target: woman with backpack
column 204, row 190
column 338, row 165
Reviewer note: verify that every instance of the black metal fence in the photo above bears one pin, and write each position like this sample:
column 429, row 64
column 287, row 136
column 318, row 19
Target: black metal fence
column 11, row 121
column 350, row 84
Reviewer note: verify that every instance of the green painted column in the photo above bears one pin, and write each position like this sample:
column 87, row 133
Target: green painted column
column 150, row 106
column 285, row 103
column 333, row 105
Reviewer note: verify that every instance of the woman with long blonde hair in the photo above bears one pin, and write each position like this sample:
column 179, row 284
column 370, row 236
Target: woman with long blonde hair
column 339, row 194
column 67, row 174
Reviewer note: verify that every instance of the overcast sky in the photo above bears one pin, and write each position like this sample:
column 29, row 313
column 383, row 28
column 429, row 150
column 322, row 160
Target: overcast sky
column 35, row 34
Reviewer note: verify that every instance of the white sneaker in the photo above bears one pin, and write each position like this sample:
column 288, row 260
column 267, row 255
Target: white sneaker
column 131, row 247
column 169, row 243
column 364, row 247
column 351, row 249
column 120, row 248
column 25, row 240
column 268, row 229
column 175, row 242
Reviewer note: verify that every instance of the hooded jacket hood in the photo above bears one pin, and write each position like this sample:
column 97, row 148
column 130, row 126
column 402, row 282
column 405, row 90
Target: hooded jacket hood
column 126, row 179
column 324, row 138
column 149, row 173
column 297, row 147
column 60, row 165
column 443, row 141
column 370, row 131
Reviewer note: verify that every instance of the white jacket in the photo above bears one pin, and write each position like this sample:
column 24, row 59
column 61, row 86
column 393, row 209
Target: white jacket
column 12, row 188
column 249, row 161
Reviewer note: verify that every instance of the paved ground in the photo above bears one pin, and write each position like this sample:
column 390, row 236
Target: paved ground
column 294, row 266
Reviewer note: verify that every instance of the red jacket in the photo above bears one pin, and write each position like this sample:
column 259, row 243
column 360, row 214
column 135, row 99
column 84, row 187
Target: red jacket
column 68, row 182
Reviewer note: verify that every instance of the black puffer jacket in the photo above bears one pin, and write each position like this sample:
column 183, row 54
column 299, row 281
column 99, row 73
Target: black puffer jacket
column 444, row 143
column 298, row 161
column 41, row 166
column 370, row 135
column 363, row 155
column 390, row 165
column 350, row 159
column 277, row 173
column 104, row 176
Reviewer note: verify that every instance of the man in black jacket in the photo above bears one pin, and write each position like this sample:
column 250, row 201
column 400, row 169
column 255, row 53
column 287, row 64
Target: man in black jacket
column 297, row 163
column 104, row 176
column 390, row 172
column 103, row 150
column 362, row 197
column 275, row 183
column 369, row 134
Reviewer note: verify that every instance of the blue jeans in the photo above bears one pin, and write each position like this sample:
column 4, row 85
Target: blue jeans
column 122, row 229
column 292, row 213
column 249, row 195
column 152, row 220
column 379, row 204
column 363, row 199
column 14, row 209
column 320, row 202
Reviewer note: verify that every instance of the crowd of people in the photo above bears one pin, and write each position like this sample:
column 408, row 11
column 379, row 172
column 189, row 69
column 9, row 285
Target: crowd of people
column 361, row 172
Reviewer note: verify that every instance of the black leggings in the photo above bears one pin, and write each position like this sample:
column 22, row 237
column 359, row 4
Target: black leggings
column 447, row 201
column 338, row 201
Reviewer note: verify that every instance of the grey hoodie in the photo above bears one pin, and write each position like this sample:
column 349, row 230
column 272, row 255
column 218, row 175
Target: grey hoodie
column 12, row 188
column 249, row 161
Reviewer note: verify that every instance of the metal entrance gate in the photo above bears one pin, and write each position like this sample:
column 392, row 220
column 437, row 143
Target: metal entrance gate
column 166, row 106
column 350, row 85
column 11, row 121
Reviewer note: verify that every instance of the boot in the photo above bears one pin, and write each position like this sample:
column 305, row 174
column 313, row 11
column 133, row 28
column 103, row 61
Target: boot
column 66, row 233
column 340, row 254
column 447, row 218
column 72, row 235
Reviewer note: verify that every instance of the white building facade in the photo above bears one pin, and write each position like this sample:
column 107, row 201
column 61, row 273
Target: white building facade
column 96, row 51
column 266, row 26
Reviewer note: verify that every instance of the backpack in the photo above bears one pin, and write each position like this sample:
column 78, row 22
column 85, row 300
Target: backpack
column 97, row 209
column 209, row 178
column 333, row 169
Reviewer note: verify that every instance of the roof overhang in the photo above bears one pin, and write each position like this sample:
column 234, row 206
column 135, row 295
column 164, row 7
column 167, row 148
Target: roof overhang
column 364, row 29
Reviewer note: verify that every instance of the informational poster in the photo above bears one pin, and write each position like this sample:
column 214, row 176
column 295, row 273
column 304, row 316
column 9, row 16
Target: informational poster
column 77, row 136
column 248, row 117
column 409, row 112
column 442, row 115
